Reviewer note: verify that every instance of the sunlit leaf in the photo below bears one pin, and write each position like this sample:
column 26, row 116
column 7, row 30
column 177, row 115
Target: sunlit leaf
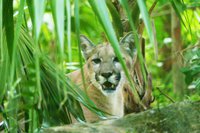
column 179, row 7
column 1, row 25
column 77, row 24
column 69, row 30
column 99, row 7
column 31, row 9
column 1, row 49
column 39, row 7
column 146, row 19
column 58, row 15
column 136, row 37
column 194, row 4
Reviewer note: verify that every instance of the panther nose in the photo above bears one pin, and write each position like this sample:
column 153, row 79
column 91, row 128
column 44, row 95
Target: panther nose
column 106, row 75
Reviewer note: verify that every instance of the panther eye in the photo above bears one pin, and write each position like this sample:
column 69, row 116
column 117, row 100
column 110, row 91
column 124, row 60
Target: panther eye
column 97, row 61
column 116, row 59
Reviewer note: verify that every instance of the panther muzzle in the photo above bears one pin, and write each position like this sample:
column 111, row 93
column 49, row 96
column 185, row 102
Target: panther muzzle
column 109, row 87
column 109, row 82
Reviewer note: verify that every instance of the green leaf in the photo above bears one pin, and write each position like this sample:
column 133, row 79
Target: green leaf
column 135, row 14
column 69, row 30
column 58, row 16
column 77, row 24
column 38, row 7
column 124, row 4
column 4, row 67
column 193, row 5
column 16, row 37
column 116, row 20
column 1, row 25
column 179, row 7
column 197, row 84
column 31, row 9
column 13, row 99
column 49, row 73
column 100, row 9
column 8, row 23
column 146, row 19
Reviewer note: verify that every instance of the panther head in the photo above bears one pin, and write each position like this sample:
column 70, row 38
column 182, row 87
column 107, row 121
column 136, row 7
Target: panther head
column 104, row 69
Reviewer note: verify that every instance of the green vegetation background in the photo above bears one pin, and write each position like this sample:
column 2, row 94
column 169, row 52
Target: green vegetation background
column 39, row 45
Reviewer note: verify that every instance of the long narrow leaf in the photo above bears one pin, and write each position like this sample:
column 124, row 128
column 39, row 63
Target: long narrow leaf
column 136, row 39
column 178, row 7
column 13, row 100
column 1, row 26
column 99, row 7
column 116, row 20
column 8, row 23
column 31, row 9
column 85, row 99
column 1, row 48
column 69, row 30
column 38, row 6
column 50, row 91
column 38, row 15
column 4, row 67
column 52, row 115
column 16, row 37
column 77, row 24
column 58, row 15
column 146, row 19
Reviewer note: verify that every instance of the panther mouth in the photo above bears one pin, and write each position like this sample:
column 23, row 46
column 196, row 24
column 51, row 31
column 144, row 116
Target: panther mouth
column 108, row 87
column 108, row 84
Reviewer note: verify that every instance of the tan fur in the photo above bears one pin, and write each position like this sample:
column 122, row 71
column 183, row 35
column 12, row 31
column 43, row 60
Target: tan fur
column 118, row 102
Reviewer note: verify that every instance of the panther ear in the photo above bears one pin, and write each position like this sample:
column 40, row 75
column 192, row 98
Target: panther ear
column 128, row 43
column 86, row 46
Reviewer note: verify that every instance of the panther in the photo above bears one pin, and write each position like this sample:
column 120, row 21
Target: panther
column 106, row 83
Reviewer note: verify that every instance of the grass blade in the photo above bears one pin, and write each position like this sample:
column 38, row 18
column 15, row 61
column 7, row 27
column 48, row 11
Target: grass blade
column 116, row 19
column 31, row 9
column 39, row 7
column 1, row 25
column 51, row 93
column 51, row 114
column 124, row 4
column 82, row 96
column 38, row 15
column 1, row 51
column 68, row 5
column 12, row 107
column 146, row 19
column 4, row 67
column 99, row 7
column 179, row 7
column 8, row 23
column 58, row 16
column 77, row 24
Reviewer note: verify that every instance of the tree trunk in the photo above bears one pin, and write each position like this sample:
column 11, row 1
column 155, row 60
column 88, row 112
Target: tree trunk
column 177, row 75
column 181, row 117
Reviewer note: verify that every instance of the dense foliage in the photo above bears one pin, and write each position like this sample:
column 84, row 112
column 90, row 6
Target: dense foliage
column 39, row 44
